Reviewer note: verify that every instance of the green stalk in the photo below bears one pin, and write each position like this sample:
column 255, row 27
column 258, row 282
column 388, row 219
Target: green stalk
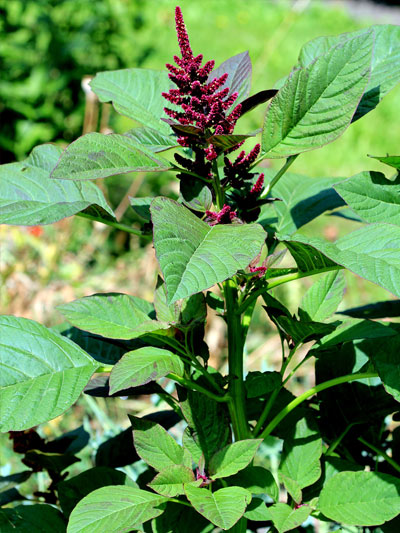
column 219, row 193
column 380, row 452
column 188, row 384
column 289, row 161
column 314, row 390
column 113, row 224
column 235, row 360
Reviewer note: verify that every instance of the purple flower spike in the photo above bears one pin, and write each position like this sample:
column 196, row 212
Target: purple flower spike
column 258, row 186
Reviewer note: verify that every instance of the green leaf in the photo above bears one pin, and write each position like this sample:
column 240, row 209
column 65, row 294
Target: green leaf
column 323, row 297
column 357, row 329
column 223, row 507
column 28, row 196
column 41, row 373
column 105, row 351
column 155, row 446
column 385, row 309
column 292, row 487
column 285, row 518
column 194, row 256
column 372, row 252
column 307, row 257
column 39, row 518
column 386, row 358
column 372, row 196
column 13, row 480
column 239, row 70
column 169, row 482
column 226, row 141
column 260, row 383
column 257, row 511
column 141, row 206
column 257, row 480
column 317, row 102
column 233, row 458
column 385, row 70
column 391, row 160
column 302, row 199
column 96, row 155
column 142, row 366
column 114, row 509
column 361, row 498
column 112, row 315
column 56, row 462
column 207, row 419
column 135, row 93
column 178, row 518
column 301, row 454
column 195, row 194
column 72, row 490
column 151, row 139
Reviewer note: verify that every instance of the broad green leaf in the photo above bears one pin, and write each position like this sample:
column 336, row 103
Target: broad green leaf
column 194, row 256
column 391, row 160
column 233, row 458
column 223, row 507
column 257, row 511
column 72, row 490
column 28, row 196
column 372, row 196
column 301, row 454
column 207, row 419
column 239, row 70
column 151, row 139
column 112, row 315
column 361, row 498
column 41, row 373
column 260, row 383
column 292, row 487
column 385, row 309
column 155, row 446
column 323, row 297
column 96, row 155
column 142, row 366
column 385, row 70
column 372, row 252
column 169, row 482
column 226, row 141
column 103, row 350
column 114, row 509
column 195, row 194
column 307, row 257
column 317, row 102
column 357, row 329
column 40, row 518
column 135, row 93
column 285, row 518
column 257, row 480
column 386, row 358
column 192, row 446
column 302, row 200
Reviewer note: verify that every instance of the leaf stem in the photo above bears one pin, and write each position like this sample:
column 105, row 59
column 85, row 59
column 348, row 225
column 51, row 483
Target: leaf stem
column 190, row 173
column 380, row 452
column 289, row 161
column 188, row 384
column 113, row 224
column 314, row 390
column 175, row 500
column 219, row 193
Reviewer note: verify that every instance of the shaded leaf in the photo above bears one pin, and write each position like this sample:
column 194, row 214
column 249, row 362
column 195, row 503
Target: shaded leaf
column 103, row 350
column 386, row 358
column 13, row 480
column 257, row 511
column 257, row 480
column 196, row 195
column 331, row 87
column 113, row 315
column 39, row 518
column 260, row 383
column 388, row 308
column 193, row 256
column 29, row 197
column 141, row 206
column 56, row 462
column 391, row 160
column 256, row 99
column 42, row 373
column 142, row 366
column 96, row 155
column 239, row 70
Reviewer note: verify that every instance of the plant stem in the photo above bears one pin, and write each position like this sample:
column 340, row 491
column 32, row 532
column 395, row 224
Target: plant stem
column 314, row 390
column 380, row 452
column 188, row 384
column 338, row 440
column 113, row 224
column 174, row 168
column 104, row 369
column 219, row 193
column 235, row 361
column 278, row 175
column 175, row 500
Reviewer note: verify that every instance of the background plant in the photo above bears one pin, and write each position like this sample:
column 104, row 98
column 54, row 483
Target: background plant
column 322, row 463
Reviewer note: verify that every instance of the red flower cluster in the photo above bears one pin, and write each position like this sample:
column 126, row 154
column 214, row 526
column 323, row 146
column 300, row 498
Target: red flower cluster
column 225, row 216
column 202, row 103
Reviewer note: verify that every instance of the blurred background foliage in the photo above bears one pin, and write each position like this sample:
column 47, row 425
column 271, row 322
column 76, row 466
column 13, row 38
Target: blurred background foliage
column 46, row 48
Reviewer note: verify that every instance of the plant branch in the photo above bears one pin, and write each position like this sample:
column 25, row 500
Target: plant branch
column 289, row 161
column 113, row 224
column 219, row 193
column 380, row 452
column 188, row 384
column 314, row 390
